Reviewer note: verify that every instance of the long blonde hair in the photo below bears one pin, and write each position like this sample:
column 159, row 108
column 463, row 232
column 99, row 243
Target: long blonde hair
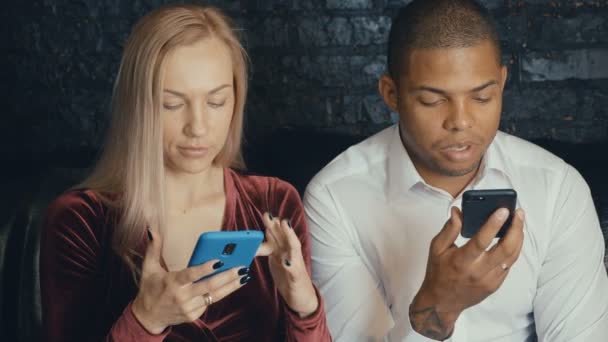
column 129, row 175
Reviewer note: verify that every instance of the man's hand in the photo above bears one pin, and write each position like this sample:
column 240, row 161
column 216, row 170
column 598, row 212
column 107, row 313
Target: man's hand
column 458, row 278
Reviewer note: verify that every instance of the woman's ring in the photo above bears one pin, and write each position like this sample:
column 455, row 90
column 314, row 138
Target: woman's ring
column 207, row 299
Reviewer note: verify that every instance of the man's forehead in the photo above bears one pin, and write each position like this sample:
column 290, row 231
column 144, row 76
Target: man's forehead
column 476, row 63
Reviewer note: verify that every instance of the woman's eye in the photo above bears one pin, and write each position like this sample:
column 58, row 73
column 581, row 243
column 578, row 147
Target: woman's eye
column 172, row 106
column 217, row 104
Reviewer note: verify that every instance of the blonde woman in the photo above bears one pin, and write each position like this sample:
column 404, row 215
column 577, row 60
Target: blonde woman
column 114, row 250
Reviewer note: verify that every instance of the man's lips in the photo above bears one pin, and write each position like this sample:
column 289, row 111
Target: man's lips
column 459, row 152
column 457, row 145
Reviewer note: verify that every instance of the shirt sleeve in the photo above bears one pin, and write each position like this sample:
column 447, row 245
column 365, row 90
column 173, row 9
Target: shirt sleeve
column 571, row 303
column 71, row 290
column 354, row 300
column 314, row 327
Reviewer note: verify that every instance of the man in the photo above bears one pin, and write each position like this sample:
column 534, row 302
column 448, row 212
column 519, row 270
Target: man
column 384, row 215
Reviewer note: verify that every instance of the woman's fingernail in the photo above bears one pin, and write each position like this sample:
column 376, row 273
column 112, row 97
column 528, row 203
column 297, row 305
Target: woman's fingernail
column 218, row 265
column 149, row 234
column 270, row 215
column 287, row 263
column 245, row 279
column 289, row 223
column 243, row 271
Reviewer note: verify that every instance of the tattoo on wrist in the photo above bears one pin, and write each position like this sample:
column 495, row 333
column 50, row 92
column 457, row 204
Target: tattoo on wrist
column 429, row 323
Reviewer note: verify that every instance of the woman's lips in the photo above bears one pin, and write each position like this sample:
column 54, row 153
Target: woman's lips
column 193, row 152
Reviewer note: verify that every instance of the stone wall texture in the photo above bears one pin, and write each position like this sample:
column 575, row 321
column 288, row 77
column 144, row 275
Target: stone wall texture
column 315, row 66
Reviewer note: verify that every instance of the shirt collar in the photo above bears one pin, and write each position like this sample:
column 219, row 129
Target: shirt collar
column 402, row 175
column 495, row 158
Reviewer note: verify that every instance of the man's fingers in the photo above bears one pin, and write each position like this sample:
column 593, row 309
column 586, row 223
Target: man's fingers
column 499, row 266
column 480, row 242
column 194, row 273
column 495, row 277
column 448, row 234
column 509, row 247
column 495, row 273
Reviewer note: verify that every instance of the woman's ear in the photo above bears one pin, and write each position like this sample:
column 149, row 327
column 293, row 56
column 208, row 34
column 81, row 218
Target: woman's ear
column 388, row 90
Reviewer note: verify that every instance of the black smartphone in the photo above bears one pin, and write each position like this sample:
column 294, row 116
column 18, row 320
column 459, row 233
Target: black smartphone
column 479, row 205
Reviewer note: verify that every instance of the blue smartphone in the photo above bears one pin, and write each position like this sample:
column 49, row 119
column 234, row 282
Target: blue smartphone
column 234, row 248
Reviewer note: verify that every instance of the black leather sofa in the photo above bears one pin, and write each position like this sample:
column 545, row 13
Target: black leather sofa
column 294, row 155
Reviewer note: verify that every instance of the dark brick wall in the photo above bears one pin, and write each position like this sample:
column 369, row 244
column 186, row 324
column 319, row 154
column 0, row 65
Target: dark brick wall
column 315, row 63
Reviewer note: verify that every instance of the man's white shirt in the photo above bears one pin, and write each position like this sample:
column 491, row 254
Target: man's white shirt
column 372, row 217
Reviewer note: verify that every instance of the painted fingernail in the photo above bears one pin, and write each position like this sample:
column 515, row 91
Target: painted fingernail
column 243, row 271
column 287, row 263
column 289, row 223
column 245, row 279
column 502, row 214
column 270, row 215
column 149, row 234
column 218, row 265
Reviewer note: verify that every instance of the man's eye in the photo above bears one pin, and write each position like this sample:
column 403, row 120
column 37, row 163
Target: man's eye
column 172, row 106
column 483, row 99
column 431, row 103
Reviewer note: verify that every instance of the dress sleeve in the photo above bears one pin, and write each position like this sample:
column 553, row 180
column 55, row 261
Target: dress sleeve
column 288, row 204
column 71, row 283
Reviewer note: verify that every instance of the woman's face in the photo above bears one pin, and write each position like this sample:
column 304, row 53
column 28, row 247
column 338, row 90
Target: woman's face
column 197, row 105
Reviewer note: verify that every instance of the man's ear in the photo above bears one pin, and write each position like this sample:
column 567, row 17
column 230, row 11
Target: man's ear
column 388, row 90
column 504, row 73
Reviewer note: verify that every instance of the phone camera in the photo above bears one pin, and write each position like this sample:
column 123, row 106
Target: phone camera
column 229, row 249
column 480, row 198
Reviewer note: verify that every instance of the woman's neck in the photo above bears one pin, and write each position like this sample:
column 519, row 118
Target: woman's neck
column 186, row 192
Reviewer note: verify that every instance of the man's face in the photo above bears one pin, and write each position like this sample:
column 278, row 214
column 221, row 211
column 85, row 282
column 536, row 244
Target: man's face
column 449, row 103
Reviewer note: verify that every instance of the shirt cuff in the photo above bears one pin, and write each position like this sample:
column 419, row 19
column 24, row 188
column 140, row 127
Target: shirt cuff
column 128, row 328
column 309, row 322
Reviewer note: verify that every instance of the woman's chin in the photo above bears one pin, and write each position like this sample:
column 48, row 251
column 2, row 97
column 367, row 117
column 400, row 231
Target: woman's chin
column 191, row 166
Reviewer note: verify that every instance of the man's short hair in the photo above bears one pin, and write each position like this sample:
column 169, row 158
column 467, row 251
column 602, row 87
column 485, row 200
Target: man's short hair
column 430, row 24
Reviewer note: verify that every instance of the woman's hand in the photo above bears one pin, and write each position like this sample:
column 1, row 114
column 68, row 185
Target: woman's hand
column 287, row 266
column 170, row 298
